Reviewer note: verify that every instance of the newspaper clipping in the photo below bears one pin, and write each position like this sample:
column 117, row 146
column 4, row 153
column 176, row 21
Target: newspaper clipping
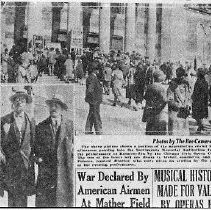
column 105, row 104
column 143, row 172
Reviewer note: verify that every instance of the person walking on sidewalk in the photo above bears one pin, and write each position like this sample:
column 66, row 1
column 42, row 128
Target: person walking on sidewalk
column 94, row 92
column 117, row 82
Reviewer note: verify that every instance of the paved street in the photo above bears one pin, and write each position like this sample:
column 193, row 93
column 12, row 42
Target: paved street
column 116, row 120
column 45, row 79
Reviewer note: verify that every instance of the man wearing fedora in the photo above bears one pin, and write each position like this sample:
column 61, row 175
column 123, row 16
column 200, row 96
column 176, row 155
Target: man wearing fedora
column 17, row 137
column 54, row 156
column 93, row 97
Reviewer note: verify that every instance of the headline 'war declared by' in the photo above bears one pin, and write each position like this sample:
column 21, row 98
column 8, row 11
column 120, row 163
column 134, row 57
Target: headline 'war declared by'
column 123, row 189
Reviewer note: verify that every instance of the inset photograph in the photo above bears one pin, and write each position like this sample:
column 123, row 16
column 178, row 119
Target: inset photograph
column 43, row 46
column 37, row 138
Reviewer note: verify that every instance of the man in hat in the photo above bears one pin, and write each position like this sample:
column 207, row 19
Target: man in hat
column 93, row 97
column 17, row 137
column 54, row 156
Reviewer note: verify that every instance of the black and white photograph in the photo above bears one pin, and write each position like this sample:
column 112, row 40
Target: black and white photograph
column 101, row 96
column 138, row 68
column 37, row 138
column 147, row 69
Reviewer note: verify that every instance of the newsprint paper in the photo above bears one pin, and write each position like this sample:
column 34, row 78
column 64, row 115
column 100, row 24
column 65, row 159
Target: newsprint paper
column 106, row 104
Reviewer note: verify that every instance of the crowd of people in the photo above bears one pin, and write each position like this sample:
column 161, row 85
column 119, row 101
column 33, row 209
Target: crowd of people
column 169, row 93
column 26, row 66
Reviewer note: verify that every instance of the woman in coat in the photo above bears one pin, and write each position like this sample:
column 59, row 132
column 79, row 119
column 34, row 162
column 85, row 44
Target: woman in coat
column 200, row 99
column 78, row 72
column 140, row 82
column 178, row 94
column 117, row 82
column 23, row 73
column 69, row 68
column 61, row 67
column 33, row 72
column 12, row 70
column 155, row 113
column 130, row 89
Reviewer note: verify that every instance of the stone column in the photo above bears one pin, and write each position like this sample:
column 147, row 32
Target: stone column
column 19, row 21
column 130, row 21
column 56, row 19
column 35, row 22
column 75, row 26
column 2, row 29
column 75, row 17
column 86, row 24
column 179, row 34
column 140, row 29
column 166, row 33
column 159, row 26
column 151, row 42
column 104, row 27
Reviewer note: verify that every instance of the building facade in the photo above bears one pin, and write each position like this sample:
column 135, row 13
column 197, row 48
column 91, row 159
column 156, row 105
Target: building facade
column 160, row 31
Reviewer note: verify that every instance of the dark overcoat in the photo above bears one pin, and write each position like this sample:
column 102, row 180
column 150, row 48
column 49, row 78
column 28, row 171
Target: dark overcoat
column 17, row 175
column 155, row 112
column 140, row 81
column 94, row 90
column 59, row 161
column 200, row 99
column 12, row 69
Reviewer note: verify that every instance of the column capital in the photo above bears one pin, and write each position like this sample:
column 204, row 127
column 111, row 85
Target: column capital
column 152, row 38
